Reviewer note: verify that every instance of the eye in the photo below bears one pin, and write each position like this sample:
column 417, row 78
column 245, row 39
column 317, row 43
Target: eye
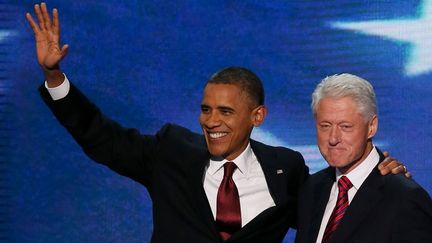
column 325, row 126
column 205, row 109
column 346, row 127
column 226, row 112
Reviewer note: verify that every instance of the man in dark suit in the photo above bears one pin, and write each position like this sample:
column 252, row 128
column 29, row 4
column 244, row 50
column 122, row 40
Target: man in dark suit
column 182, row 170
column 350, row 201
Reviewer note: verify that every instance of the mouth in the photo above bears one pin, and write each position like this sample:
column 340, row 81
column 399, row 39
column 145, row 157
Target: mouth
column 337, row 150
column 338, row 146
column 216, row 135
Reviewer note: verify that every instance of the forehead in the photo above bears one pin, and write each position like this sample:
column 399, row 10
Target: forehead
column 224, row 93
column 338, row 109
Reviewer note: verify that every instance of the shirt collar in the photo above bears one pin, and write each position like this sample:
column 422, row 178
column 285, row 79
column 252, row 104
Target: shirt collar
column 361, row 172
column 242, row 162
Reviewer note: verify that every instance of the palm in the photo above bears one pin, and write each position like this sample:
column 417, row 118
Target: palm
column 47, row 36
column 48, row 50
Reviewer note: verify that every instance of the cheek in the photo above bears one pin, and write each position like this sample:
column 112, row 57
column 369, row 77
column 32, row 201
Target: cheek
column 233, row 123
column 322, row 145
column 201, row 119
column 239, row 130
column 358, row 145
column 354, row 140
column 322, row 138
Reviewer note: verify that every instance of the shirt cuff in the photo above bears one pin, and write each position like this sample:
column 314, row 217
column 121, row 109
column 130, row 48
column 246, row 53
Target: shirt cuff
column 60, row 91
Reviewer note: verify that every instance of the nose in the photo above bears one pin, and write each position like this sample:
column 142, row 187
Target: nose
column 213, row 119
column 334, row 136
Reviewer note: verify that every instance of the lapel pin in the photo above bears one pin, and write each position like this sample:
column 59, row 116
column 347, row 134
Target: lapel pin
column 280, row 171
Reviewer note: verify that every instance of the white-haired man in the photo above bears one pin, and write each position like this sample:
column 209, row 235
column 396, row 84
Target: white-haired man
column 350, row 201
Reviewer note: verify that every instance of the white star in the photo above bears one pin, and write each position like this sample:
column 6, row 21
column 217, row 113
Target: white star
column 417, row 32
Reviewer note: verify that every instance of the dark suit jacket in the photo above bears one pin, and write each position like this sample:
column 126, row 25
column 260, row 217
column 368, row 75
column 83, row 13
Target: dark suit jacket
column 171, row 166
column 387, row 208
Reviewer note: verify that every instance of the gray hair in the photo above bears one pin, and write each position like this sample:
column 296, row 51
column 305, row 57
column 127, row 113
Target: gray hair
column 347, row 85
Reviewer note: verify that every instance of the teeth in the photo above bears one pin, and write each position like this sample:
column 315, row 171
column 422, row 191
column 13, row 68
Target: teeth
column 217, row 134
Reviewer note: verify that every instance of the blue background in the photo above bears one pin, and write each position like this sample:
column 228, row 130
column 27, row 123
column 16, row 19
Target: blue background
column 145, row 63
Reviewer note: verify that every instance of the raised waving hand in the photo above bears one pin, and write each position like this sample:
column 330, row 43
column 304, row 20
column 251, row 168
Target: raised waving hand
column 47, row 37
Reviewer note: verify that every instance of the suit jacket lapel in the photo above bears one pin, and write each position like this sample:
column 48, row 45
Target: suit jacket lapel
column 199, row 160
column 366, row 198
column 321, row 195
column 268, row 162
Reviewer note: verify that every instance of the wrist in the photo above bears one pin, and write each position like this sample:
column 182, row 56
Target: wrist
column 54, row 76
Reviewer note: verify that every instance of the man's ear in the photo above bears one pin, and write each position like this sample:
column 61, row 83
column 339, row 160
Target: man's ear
column 259, row 113
column 373, row 126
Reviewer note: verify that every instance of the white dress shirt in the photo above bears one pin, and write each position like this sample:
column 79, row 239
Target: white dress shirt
column 249, row 177
column 357, row 176
column 250, row 181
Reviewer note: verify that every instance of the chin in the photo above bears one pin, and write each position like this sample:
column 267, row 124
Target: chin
column 336, row 163
column 216, row 152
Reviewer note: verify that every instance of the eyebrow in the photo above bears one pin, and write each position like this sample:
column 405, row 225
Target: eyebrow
column 219, row 107
column 225, row 108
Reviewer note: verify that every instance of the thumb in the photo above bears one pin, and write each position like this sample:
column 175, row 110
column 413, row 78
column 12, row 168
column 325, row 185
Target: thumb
column 64, row 50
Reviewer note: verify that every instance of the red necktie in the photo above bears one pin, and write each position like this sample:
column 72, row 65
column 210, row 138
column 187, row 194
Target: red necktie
column 344, row 185
column 228, row 217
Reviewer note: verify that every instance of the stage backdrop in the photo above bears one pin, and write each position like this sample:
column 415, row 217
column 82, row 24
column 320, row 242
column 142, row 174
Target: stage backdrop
column 145, row 63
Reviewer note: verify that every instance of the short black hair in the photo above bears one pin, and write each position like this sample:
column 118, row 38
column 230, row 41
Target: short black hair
column 244, row 78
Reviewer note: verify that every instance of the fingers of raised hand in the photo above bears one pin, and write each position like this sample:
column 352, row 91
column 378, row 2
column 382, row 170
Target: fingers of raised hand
column 39, row 16
column 32, row 23
column 44, row 20
column 46, row 17
column 56, row 25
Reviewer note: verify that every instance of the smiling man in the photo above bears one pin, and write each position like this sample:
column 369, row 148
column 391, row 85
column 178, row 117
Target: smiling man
column 222, row 186
column 350, row 201
column 233, row 103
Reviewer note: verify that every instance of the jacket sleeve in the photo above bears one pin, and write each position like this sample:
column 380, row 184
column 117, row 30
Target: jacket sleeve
column 123, row 150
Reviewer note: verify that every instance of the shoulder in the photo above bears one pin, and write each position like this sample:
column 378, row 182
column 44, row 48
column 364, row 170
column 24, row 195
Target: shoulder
column 289, row 161
column 174, row 129
column 407, row 196
column 317, row 179
column 328, row 172
column 172, row 133
column 411, row 206
column 400, row 186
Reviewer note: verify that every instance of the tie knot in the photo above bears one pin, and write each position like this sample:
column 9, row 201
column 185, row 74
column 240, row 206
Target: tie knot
column 229, row 168
column 344, row 184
